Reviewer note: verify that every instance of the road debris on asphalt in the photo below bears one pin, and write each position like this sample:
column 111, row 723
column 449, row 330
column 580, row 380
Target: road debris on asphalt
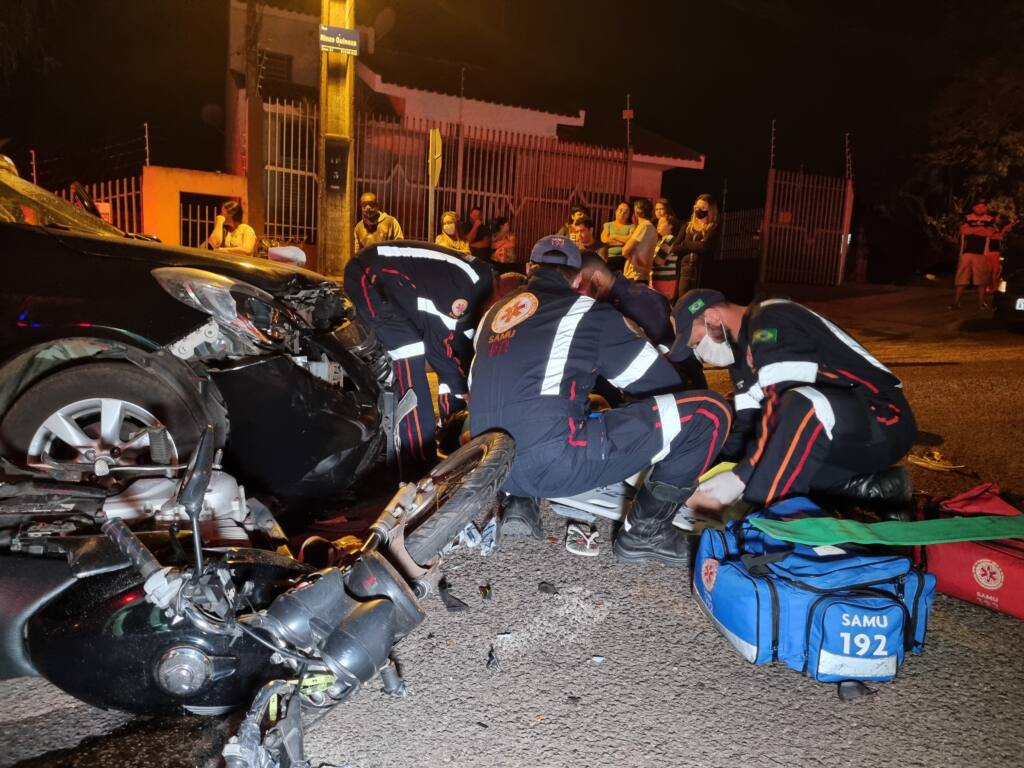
column 451, row 602
column 597, row 659
column 485, row 592
column 547, row 588
column 492, row 659
column 934, row 461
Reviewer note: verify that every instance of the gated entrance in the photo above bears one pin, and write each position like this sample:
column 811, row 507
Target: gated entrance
column 806, row 228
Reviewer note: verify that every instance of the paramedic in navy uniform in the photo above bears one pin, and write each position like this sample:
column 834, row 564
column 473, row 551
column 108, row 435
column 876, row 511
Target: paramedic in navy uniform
column 423, row 301
column 538, row 353
column 814, row 409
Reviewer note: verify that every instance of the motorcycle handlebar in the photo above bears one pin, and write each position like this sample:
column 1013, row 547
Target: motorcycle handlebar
column 131, row 546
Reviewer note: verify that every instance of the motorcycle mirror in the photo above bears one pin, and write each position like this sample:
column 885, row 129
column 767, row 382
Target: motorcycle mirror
column 197, row 476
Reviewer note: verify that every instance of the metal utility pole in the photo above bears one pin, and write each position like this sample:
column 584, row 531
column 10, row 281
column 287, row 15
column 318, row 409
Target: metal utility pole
column 337, row 165
column 627, row 115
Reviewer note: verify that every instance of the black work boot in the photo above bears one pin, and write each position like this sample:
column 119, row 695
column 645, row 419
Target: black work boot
column 520, row 518
column 647, row 532
column 891, row 485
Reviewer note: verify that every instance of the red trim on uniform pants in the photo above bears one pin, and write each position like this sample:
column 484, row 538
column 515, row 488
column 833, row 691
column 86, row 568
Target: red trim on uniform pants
column 803, row 459
column 572, row 390
column 789, row 454
column 416, row 413
column 572, row 434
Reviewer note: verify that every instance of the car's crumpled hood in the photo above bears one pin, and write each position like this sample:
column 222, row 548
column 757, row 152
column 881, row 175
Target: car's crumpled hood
column 279, row 280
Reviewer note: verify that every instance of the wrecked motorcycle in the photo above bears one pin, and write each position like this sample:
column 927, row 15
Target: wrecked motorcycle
column 161, row 622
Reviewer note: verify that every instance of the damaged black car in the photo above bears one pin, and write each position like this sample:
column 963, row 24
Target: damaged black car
column 115, row 351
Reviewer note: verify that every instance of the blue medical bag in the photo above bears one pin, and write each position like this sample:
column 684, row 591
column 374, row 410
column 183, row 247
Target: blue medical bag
column 833, row 613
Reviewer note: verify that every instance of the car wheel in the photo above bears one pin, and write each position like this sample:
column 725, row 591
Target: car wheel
column 99, row 412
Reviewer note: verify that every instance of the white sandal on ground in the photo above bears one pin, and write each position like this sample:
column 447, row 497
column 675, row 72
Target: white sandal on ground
column 581, row 539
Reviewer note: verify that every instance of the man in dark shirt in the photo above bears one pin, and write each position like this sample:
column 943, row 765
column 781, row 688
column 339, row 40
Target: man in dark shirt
column 538, row 353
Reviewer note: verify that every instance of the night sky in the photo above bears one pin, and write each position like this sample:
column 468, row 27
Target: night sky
column 711, row 75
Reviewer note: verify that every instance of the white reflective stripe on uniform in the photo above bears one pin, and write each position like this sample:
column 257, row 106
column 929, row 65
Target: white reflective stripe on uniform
column 426, row 305
column 398, row 251
column 469, row 333
column 822, row 408
column 444, row 389
column 788, row 370
column 668, row 415
column 750, row 399
column 640, row 365
column 838, row 332
column 409, row 350
column 559, row 355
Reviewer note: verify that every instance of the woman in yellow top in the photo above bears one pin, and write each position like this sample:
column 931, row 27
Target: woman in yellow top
column 449, row 237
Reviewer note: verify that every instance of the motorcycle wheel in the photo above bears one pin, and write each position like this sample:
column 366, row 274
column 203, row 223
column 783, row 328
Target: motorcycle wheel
column 465, row 483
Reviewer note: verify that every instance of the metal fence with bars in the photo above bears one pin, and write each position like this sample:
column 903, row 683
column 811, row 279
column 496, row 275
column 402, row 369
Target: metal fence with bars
column 741, row 234
column 124, row 197
column 532, row 180
column 198, row 213
column 806, row 228
column 290, row 182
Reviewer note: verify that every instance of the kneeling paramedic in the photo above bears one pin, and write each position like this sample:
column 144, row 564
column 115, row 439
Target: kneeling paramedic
column 423, row 301
column 538, row 353
column 815, row 411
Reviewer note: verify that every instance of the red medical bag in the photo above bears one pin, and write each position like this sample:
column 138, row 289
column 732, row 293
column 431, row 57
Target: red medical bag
column 989, row 573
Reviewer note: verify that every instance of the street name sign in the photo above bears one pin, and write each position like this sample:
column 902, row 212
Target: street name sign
column 339, row 40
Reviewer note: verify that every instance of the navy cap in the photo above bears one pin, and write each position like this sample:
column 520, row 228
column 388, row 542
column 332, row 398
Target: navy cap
column 556, row 249
column 690, row 306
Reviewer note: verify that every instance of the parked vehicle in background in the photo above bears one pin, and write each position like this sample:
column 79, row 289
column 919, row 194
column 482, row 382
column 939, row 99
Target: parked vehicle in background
column 1009, row 298
column 115, row 350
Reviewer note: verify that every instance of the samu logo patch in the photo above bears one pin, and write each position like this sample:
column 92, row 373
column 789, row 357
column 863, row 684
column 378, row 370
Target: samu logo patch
column 765, row 336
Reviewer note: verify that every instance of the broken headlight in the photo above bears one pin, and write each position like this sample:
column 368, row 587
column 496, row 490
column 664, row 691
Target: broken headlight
column 248, row 315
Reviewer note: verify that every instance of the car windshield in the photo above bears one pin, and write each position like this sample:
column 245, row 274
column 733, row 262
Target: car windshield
column 22, row 202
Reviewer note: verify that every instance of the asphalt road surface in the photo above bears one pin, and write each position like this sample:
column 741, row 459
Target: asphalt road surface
column 619, row 668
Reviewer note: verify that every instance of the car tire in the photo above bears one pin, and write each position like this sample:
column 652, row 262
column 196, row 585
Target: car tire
column 145, row 396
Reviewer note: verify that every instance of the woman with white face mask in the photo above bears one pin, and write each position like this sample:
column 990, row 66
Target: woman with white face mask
column 449, row 237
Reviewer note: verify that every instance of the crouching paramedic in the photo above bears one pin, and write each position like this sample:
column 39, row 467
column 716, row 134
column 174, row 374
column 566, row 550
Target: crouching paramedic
column 538, row 353
column 423, row 301
column 814, row 409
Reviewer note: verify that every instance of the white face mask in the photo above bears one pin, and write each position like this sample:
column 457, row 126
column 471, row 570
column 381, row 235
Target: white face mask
column 449, row 229
column 716, row 353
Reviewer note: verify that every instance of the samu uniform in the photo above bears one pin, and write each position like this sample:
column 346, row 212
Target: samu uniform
column 813, row 407
column 423, row 302
column 538, row 353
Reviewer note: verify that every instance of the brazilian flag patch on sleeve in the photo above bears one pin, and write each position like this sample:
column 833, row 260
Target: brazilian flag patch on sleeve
column 696, row 307
column 765, row 336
